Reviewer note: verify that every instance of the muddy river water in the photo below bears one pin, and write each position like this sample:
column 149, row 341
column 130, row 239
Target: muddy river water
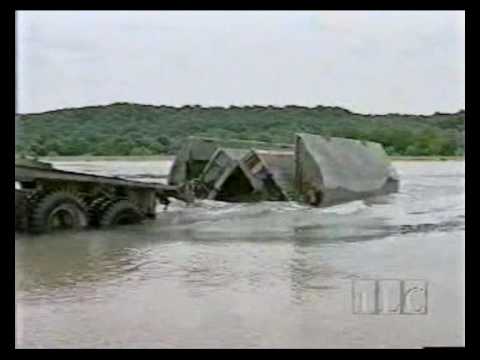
column 249, row 275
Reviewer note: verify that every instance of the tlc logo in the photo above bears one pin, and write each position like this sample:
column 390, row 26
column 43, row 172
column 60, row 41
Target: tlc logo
column 390, row 297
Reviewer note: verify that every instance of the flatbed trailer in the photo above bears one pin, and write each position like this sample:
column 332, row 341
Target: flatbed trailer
column 47, row 199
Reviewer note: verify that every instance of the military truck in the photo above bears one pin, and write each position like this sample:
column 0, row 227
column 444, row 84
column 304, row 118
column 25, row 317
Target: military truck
column 317, row 170
column 48, row 199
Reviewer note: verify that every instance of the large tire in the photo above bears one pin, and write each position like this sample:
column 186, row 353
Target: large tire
column 97, row 208
column 58, row 210
column 121, row 212
column 21, row 221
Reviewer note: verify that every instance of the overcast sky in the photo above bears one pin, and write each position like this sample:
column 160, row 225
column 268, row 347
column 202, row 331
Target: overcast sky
column 369, row 62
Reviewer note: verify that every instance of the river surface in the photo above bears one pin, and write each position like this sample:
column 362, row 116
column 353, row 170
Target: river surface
column 275, row 275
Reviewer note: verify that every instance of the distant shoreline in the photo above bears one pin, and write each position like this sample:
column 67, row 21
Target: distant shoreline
column 172, row 157
column 109, row 158
column 427, row 158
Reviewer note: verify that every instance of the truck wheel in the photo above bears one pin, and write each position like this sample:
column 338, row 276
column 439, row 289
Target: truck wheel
column 121, row 212
column 58, row 210
column 20, row 210
column 96, row 209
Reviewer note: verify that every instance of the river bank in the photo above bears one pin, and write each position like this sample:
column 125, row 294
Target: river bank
column 172, row 157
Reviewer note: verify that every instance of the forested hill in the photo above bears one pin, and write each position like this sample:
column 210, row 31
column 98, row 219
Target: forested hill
column 131, row 129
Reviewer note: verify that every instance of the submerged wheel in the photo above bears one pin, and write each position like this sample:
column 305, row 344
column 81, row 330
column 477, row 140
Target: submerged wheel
column 121, row 212
column 21, row 222
column 58, row 210
column 96, row 209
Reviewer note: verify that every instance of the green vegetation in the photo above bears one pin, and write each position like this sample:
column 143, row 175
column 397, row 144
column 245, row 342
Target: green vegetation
column 139, row 130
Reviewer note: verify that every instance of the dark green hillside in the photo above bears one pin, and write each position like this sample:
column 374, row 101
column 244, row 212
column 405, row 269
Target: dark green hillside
column 130, row 129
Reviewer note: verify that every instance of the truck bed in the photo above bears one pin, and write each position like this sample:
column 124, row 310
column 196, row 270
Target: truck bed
column 25, row 173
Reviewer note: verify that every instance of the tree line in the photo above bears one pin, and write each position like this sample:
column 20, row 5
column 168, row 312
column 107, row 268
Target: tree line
column 125, row 129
